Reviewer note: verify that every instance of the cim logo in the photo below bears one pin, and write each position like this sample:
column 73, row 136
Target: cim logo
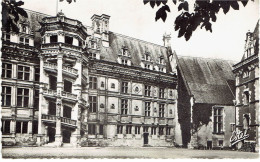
column 238, row 136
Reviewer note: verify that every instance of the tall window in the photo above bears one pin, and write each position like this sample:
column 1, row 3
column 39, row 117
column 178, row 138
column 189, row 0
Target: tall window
column 91, row 129
column 22, row 97
column 21, row 40
column 36, row 99
column 147, row 57
column 119, row 129
column 161, row 60
column 92, row 82
column 124, row 87
column 26, row 41
column 137, row 129
column 35, row 127
column 6, row 96
column 161, row 110
column 22, row 127
column 246, row 98
column 37, row 74
column 218, row 120
column 145, row 129
column 153, row 131
column 129, row 129
column 168, row 131
column 161, row 130
column 6, row 70
column 146, row 66
column 101, row 129
column 5, row 126
column 124, row 106
column 147, row 90
column 161, row 93
column 124, row 61
column 23, row 72
column 147, row 110
column 53, row 82
column 93, row 103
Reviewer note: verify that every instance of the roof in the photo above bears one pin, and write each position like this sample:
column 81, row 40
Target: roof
column 136, row 48
column 209, row 80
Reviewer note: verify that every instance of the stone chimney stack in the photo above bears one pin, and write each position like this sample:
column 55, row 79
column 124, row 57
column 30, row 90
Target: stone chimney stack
column 100, row 25
column 167, row 40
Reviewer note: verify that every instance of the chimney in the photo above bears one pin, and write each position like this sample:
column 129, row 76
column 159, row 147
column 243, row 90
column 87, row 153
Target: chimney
column 105, row 30
column 167, row 40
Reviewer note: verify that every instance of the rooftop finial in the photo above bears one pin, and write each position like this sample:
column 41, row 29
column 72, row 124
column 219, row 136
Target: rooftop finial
column 60, row 13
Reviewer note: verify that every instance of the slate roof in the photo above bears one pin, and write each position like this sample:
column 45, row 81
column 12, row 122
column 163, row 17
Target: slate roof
column 137, row 48
column 210, row 81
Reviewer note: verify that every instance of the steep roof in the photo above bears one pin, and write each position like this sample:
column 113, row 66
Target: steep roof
column 209, row 80
column 136, row 48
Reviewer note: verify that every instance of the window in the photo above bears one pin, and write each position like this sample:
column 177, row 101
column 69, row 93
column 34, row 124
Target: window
column 124, row 106
column 53, row 82
column 23, row 28
column 218, row 120
column 21, row 40
column 21, row 127
column 7, row 37
column 161, row 110
column 246, row 98
column 92, row 82
column 153, row 131
column 36, row 99
column 147, row 57
column 124, row 61
column 220, row 143
column 35, row 127
column 26, row 41
column 5, row 126
column 161, row 130
column 93, row 103
column 80, row 43
column 137, row 129
column 161, row 69
column 145, row 129
column 146, row 66
column 102, row 84
column 161, row 93
column 53, row 39
column 101, row 129
column 161, row 60
column 113, row 85
column 6, row 96
column 147, row 110
column 124, row 52
column 129, row 129
column 246, row 74
column 168, row 131
column 37, row 74
column 124, row 87
column 22, row 97
column 6, row 70
column 92, row 44
column 147, row 90
column 246, row 119
column 67, row 86
column 119, row 129
column 68, row 40
column 91, row 129
column 23, row 72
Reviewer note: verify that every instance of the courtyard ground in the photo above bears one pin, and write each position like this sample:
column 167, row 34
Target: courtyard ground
column 122, row 152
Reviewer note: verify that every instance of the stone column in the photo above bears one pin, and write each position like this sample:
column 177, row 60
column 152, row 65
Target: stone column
column 40, row 124
column 58, row 136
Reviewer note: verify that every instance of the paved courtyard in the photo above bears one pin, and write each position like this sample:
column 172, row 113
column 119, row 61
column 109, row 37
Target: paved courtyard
column 121, row 152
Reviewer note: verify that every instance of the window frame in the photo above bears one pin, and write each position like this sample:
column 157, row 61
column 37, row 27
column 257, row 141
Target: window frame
column 124, row 106
column 147, row 90
column 161, row 110
column 129, row 129
column 21, row 128
column 137, row 129
column 147, row 110
column 4, row 96
column 218, row 120
column 162, row 93
column 3, row 127
column 6, row 70
column 124, row 87
column 24, row 72
column 153, row 130
column 92, row 82
column 119, row 129
column 93, row 104
column 23, row 97
column 91, row 129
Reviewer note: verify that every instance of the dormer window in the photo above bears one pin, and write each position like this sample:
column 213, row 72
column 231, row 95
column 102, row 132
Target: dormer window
column 146, row 66
column 21, row 40
column 93, row 55
column 124, row 61
column 124, row 52
column 23, row 28
column 80, row 43
column 147, row 57
column 161, row 60
column 161, row 69
column 93, row 44
column 246, row 74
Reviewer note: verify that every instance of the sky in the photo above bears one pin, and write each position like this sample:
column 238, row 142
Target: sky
column 133, row 18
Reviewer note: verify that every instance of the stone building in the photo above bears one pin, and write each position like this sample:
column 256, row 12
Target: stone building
column 86, row 85
column 247, row 90
column 206, row 90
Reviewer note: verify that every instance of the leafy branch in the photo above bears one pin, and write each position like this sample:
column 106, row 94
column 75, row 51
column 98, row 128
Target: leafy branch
column 203, row 14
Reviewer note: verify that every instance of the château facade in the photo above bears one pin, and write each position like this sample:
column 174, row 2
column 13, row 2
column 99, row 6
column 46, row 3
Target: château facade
column 64, row 82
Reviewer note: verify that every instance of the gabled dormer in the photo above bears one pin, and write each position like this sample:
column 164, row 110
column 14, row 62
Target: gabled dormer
column 147, row 61
column 124, row 57
column 161, row 64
